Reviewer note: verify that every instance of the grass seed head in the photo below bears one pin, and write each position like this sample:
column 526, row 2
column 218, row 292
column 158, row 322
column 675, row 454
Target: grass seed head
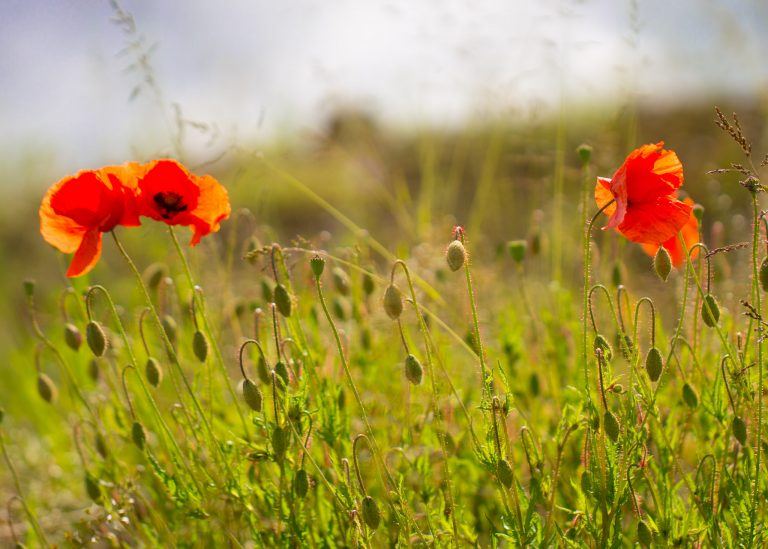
column 96, row 338
column 455, row 255
column 393, row 302
column 413, row 370
column 72, row 336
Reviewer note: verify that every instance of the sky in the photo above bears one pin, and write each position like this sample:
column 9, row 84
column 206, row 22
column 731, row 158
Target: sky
column 254, row 69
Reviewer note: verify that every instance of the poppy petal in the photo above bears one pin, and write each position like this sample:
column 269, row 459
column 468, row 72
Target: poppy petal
column 87, row 255
column 690, row 232
column 655, row 222
column 61, row 232
column 213, row 207
column 651, row 172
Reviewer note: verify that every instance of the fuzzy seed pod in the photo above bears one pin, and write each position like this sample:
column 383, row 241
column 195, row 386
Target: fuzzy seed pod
column 282, row 374
column 301, row 483
column 662, row 263
column 393, row 302
column 101, row 445
column 170, row 327
column 283, row 300
column 138, row 435
column 200, row 345
column 341, row 281
column 96, row 338
column 455, row 255
column 504, row 472
column 689, row 396
column 739, row 429
column 93, row 370
column 763, row 274
column 46, row 388
column 644, row 534
column 262, row 370
column 92, row 488
column 153, row 372
column 602, row 344
column 368, row 284
column 280, row 442
column 72, row 336
column 413, row 370
column 371, row 513
column 611, row 425
column 710, row 311
column 516, row 250
column 654, row 364
column 252, row 395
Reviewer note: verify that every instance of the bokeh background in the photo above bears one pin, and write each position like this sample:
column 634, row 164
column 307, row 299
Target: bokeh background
column 407, row 116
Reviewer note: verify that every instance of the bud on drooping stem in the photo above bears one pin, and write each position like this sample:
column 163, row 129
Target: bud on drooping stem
column 153, row 372
column 46, row 388
column 200, row 345
column 654, row 364
column 739, row 429
column 393, row 302
column 710, row 311
column 72, row 336
column 96, row 338
column 763, row 274
column 371, row 513
column 662, row 263
column 283, row 300
column 413, row 370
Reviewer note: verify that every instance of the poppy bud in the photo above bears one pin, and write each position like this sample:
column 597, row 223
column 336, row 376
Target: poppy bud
column 101, row 445
column 739, row 429
column 504, row 472
column 662, row 263
column 698, row 212
column 252, row 395
column 340, row 281
column 413, row 370
column 602, row 344
column 92, row 488
column 301, row 483
column 617, row 277
column 96, row 338
column 371, row 513
column 393, row 302
column 456, row 255
column 279, row 442
column 153, row 372
column 29, row 288
column 611, row 425
column 72, row 336
column 368, row 284
column 644, row 534
column 200, row 345
column 266, row 291
column 282, row 373
column 617, row 388
column 710, row 312
column 763, row 274
column 317, row 264
column 283, row 300
column 46, row 388
column 154, row 274
column 689, row 396
column 585, row 153
column 262, row 370
column 170, row 327
column 516, row 250
column 138, row 435
column 654, row 364
column 93, row 369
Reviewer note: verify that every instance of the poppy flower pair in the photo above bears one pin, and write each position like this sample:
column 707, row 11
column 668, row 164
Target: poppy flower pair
column 642, row 202
column 78, row 209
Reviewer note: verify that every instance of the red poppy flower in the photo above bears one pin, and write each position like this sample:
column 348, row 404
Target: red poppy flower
column 690, row 232
column 646, row 209
column 78, row 209
column 169, row 193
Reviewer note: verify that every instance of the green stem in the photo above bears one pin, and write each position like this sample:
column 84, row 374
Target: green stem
column 759, row 345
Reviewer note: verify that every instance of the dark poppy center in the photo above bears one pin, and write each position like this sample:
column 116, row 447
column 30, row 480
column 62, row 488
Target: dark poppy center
column 170, row 204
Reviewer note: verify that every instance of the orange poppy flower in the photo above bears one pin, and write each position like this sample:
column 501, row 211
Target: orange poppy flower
column 78, row 209
column 690, row 232
column 646, row 209
column 169, row 193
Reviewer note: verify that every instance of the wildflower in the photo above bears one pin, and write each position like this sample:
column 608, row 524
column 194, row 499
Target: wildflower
column 171, row 194
column 646, row 209
column 78, row 209
column 690, row 232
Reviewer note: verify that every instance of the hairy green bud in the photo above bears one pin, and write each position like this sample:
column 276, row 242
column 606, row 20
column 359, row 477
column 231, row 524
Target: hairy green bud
column 46, row 388
column 72, row 336
column 739, row 429
column 689, row 396
column 371, row 513
column 654, row 364
column 710, row 311
column 96, row 338
column 283, row 300
column 200, row 345
column 611, row 425
column 138, row 435
column 504, row 472
column 153, row 372
column 252, row 395
column 393, row 302
column 455, row 255
column 413, row 370
column 662, row 263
